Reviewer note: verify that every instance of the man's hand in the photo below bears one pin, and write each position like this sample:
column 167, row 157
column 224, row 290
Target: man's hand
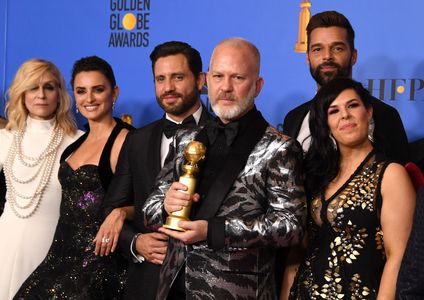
column 176, row 198
column 196, row 231
column 152, row 246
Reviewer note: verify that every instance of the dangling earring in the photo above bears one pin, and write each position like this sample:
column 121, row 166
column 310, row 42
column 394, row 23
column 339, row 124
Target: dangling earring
column 334, row 141
column 76, row 109
column 113, row 105
column 371, row 126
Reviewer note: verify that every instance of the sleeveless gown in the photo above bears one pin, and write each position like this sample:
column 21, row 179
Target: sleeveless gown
column 71, row 270
column 345, row 256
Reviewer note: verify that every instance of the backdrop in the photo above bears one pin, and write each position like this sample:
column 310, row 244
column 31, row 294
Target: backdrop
column 124, row 32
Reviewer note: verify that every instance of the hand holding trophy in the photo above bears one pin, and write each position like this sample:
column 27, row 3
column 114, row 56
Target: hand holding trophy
column 194, row 153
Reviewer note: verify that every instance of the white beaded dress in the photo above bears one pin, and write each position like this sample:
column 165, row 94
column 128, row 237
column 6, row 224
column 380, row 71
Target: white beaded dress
column 24, row 242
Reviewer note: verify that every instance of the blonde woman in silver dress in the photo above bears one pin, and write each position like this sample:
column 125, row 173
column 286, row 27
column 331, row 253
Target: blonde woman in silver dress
column 39, row 128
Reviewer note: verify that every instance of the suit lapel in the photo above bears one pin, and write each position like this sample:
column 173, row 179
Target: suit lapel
column 205, row 116
column 304, row 109
column 233, row 165
column 154, row 148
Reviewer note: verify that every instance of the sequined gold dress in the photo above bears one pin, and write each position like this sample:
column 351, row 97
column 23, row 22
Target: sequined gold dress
column 345, row 256
column 71, row 270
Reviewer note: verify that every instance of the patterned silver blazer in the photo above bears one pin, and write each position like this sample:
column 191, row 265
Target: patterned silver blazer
column 263, row 209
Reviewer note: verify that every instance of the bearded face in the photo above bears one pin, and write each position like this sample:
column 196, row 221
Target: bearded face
column 330, row 70
column 330, row 55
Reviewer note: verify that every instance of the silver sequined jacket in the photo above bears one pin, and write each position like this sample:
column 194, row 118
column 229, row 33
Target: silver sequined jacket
column 263, row 210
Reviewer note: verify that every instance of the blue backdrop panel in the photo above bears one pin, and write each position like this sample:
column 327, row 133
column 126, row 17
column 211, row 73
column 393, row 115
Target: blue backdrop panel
column 388, row 39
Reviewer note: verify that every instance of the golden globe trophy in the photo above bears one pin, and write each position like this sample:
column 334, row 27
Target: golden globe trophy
column 304, row 17
column 194, row 152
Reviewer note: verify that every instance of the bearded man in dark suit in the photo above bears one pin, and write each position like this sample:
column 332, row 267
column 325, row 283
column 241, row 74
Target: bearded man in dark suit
column 249, row 198
column 331, row 53
column 178, row 78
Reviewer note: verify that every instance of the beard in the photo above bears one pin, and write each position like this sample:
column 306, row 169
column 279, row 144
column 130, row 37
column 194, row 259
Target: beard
column 240, row 107
column 182, row 105
column 323, row 78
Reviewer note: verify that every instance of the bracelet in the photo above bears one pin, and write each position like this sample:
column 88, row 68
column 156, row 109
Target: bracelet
column 133, row 249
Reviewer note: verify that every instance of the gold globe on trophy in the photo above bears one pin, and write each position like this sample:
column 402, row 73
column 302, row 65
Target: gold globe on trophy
column 127, row 118
column 194, row 153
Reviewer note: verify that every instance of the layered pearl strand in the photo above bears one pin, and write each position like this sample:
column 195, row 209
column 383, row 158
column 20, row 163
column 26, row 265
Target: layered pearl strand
column 43, row 165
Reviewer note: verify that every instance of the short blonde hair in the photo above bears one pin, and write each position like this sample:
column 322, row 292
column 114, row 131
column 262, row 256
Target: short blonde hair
column 28, row 75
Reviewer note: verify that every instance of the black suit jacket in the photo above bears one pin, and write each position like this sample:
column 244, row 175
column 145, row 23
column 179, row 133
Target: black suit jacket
column 255, row 204
column 389, row 133
column 135, row 176
column 416, row 151
column 410, row 283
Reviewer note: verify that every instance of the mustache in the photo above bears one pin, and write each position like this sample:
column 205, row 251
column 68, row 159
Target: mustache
column 226, row 95
column 329, row 64
column 173, row 94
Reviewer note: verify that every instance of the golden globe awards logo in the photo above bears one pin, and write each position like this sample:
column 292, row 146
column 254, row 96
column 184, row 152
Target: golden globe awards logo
column 129, row 23
column 393, row 89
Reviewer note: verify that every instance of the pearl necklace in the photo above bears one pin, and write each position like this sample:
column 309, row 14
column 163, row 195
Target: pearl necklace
column 43, row 164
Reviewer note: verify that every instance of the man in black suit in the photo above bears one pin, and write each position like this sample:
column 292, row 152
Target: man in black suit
column 249, row 191
column 331, row 53
column 178, row 77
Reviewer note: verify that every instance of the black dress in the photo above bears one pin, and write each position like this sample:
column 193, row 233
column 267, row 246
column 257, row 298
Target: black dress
column 2, row 191
column 71, row 270
column 345, row 256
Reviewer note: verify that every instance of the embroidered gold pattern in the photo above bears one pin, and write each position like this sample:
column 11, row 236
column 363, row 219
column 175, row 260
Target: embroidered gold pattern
column 348, row 239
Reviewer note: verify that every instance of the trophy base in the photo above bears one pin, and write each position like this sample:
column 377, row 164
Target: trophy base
column 172, row 223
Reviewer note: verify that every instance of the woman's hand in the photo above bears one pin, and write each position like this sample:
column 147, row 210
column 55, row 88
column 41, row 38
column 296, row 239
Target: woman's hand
column 107, row 237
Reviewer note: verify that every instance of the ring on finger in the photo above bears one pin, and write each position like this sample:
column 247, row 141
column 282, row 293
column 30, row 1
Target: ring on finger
column 105, row 240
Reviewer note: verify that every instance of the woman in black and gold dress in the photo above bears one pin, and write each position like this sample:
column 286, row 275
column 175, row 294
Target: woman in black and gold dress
column 71, row 269
column 360, row 204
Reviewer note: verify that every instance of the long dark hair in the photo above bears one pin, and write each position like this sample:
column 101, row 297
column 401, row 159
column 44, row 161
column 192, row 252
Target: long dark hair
column 322, row 159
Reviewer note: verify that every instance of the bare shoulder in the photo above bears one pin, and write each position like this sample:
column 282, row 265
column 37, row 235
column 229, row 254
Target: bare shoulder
column 116, row 148
column 122, row 134
column 120, row 138
column 395, row 172
column 396, row 181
